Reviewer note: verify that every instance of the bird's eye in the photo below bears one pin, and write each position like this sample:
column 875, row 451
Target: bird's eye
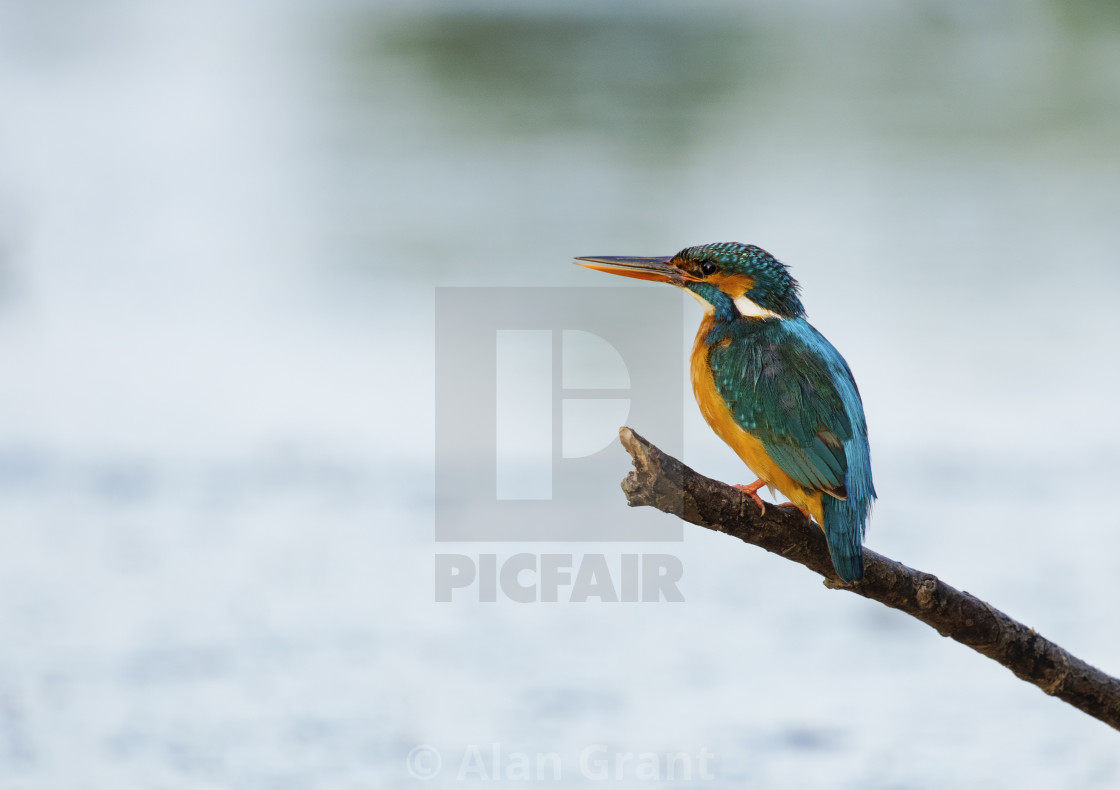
column 707, row 268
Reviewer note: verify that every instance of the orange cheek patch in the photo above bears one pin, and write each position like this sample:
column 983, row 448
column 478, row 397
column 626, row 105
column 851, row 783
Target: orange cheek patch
column 734, row 285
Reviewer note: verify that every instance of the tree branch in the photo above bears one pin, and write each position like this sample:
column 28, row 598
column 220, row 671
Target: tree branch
column 663, row 482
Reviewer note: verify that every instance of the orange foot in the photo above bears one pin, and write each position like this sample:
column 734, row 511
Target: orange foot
column 752, row 492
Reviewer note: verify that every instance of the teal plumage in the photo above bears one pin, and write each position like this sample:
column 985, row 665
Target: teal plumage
column 789, row 387
column 773, row 387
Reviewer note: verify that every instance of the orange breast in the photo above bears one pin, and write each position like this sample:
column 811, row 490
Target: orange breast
column 748, row 447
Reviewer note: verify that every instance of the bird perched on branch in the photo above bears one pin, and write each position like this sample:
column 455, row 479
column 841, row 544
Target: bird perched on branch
column 772, row 387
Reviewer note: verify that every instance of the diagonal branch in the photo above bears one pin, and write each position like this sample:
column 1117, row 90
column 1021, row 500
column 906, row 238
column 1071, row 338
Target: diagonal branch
column 663, row 482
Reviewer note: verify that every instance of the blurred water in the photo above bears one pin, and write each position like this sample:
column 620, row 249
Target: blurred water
column 219, row 231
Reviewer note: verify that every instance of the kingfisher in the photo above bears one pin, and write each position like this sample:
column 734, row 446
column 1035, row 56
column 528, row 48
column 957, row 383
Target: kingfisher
column 772, row 387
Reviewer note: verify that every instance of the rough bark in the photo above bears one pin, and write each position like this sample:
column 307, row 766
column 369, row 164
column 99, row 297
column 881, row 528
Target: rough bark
column 663, row 482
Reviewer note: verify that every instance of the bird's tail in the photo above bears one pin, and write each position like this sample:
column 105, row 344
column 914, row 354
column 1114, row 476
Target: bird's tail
column 844, row 523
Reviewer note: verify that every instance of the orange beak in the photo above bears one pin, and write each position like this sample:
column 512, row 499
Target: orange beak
column 656, row 269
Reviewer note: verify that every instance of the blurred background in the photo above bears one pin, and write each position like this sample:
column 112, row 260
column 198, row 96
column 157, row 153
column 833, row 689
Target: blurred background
column 221, row 225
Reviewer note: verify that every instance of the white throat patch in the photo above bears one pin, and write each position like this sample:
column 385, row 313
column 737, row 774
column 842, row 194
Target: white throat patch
column 749, row 309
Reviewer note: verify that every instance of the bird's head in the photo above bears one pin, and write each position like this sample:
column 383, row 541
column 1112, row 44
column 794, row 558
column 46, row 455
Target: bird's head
column 729, row 278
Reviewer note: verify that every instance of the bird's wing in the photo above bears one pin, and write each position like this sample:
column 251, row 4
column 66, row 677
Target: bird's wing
column 779, row 384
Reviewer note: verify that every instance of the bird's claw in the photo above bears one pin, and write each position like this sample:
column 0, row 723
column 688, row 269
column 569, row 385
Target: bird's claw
column 752, row 492
column 805, row 513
